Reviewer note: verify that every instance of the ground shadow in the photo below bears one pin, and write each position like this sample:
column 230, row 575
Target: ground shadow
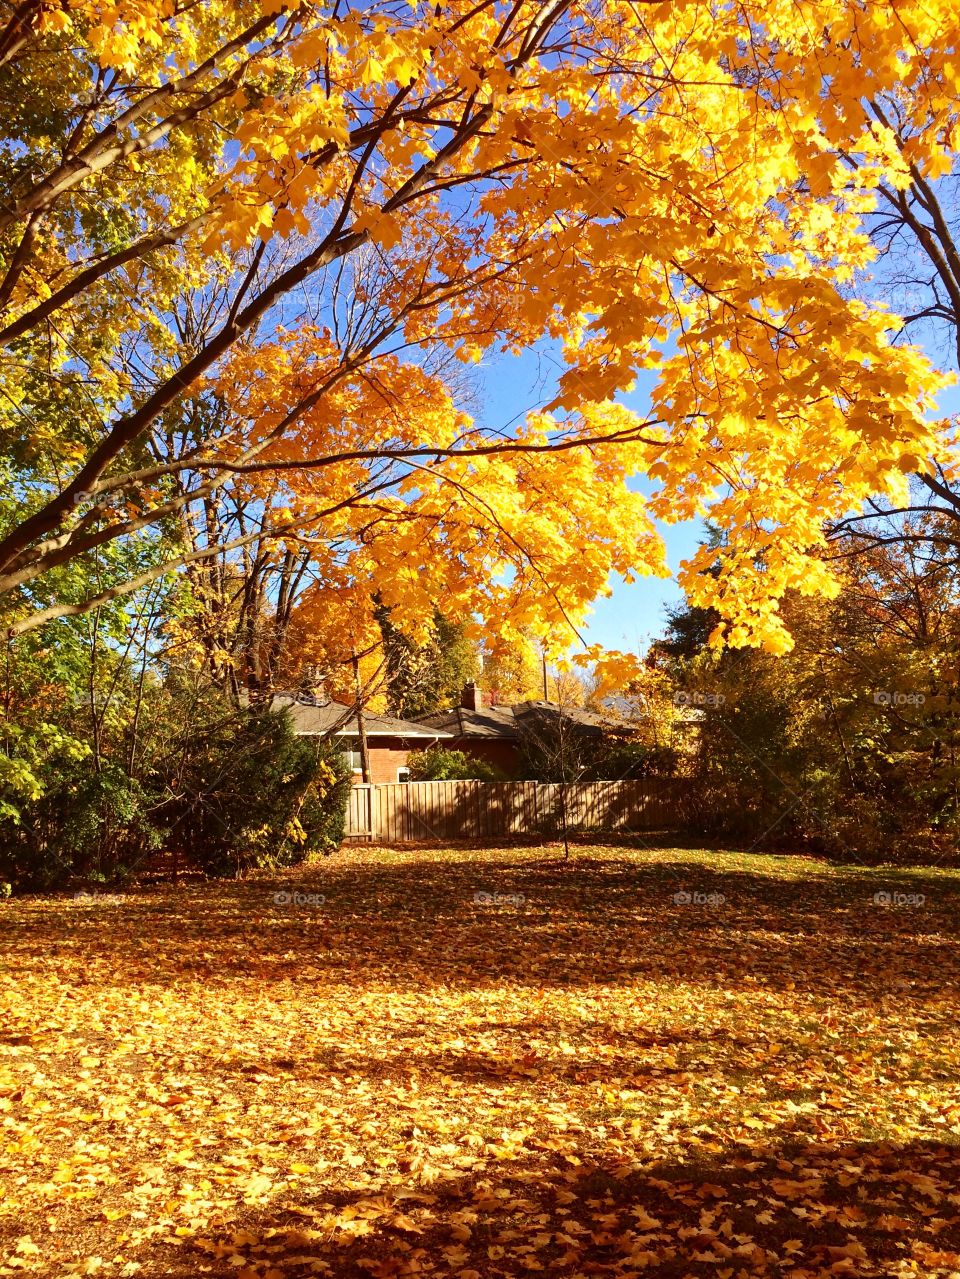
column 787, row 1207
column 515, row 918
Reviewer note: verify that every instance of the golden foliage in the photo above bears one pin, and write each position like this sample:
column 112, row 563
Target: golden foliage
column 362, row 1071
column 657, row 187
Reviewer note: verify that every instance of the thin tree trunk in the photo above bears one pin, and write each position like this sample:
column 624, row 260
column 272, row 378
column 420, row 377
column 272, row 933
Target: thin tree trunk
column 361, row 727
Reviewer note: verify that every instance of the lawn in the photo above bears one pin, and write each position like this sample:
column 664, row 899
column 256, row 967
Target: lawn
column 360, row 1069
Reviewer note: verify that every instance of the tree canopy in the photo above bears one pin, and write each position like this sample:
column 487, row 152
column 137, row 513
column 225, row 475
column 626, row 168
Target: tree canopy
column 248, row 249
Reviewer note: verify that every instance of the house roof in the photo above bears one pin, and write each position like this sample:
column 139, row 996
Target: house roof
column 315, row 718
column 492, row 721
column 506, row 723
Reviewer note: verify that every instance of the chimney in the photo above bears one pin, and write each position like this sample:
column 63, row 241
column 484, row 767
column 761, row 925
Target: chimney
column 472, row 698
column 313, row 685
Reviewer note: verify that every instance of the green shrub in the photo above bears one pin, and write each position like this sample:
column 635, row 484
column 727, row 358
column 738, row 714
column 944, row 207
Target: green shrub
column 227, row 789
column 437, row 764
column 92, row 822
column 324, row 812
column 251, row 793
column 616, row 760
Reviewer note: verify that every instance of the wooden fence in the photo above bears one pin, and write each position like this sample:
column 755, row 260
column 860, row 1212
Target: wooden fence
column 416, row 812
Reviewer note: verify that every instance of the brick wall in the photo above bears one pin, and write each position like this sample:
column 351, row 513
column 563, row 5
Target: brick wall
column 387, row 755
column 501, row 754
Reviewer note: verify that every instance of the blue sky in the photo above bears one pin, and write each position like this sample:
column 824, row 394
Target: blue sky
column 509, row 387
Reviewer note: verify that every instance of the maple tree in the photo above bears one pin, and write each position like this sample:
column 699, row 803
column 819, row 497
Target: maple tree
column 916, row 233
column 240, row 243
column 513, row 669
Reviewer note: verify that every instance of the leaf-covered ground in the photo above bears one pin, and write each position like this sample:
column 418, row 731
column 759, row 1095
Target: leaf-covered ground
column 400, row 1079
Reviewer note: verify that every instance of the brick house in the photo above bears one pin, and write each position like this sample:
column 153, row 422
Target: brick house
column 389, row 740
column 494, row 733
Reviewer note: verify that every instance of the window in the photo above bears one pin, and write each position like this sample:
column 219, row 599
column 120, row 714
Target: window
column 403, row 774
column 351, row 748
